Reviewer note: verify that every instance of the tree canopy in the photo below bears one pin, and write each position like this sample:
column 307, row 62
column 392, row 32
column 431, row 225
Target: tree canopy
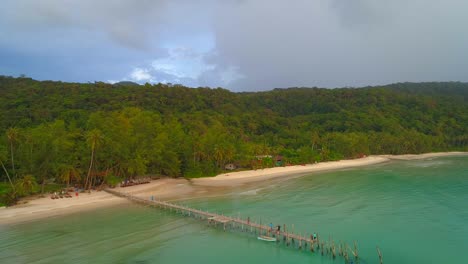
column 85, row 132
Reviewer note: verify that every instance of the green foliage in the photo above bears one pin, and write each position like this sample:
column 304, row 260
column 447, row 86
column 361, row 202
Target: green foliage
column 48, row 188
column 8, row 197
column 87, row 134
column 4, row 189
column 113, row 180
column 26, row 185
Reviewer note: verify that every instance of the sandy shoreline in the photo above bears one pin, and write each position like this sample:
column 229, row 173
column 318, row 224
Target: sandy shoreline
column 242, row 177
column 37, row 208
column 168, row 189
column 423, row 156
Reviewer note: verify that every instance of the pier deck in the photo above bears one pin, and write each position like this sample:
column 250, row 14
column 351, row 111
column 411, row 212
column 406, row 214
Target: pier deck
column 324, row 247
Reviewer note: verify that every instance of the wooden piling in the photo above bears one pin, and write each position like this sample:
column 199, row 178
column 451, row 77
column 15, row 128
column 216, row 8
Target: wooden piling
column 237, row 223
column 380, row 255
column 332, row 251
column 355, row 252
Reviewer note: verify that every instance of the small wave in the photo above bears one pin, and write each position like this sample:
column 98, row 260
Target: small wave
column 250, row 192
column 430, row 163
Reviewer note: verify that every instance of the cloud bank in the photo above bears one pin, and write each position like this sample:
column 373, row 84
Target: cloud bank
column 242, row 45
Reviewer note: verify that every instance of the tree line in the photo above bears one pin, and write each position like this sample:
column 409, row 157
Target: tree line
column 97, row 133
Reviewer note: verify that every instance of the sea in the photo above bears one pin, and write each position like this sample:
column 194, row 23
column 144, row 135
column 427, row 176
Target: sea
column 413, row 211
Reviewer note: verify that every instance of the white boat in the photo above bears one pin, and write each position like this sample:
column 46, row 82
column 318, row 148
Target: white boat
column 267, row 238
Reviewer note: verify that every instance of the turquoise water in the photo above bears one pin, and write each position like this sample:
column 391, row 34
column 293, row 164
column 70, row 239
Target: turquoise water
column 415, row 211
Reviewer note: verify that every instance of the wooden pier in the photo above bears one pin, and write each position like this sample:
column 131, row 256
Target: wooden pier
column 323, row 247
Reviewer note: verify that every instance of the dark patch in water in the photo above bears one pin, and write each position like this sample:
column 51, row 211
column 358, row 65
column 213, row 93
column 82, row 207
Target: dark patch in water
column 56, row 233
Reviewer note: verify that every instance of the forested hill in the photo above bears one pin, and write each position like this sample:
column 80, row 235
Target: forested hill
column 449, row 89
column 52, row 128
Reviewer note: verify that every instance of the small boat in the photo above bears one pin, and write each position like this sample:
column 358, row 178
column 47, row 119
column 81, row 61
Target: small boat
column 267, row 238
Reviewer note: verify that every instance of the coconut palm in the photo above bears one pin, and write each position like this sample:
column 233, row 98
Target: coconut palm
column 94, row 139
column 68, row 173
column 218, row 155
column 12, row 135
column 26, row 185
column 3, row 156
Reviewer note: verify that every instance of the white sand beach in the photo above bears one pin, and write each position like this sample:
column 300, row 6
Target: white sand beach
column 241, row 177
column 171, row 189
column 423, row 156
column 36, row 208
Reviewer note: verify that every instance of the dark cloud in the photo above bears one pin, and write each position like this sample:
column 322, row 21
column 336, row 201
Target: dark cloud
column 126, row 22
column 239, row 44
column 343, row 43
column 365, row 13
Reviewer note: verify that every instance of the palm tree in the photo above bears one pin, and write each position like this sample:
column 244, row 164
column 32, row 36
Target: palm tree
column 218, row 155
column 12, row 135
column 3, row 155
column 26, row 185
column 29, row 142
column 7, row 174
column 94, row 138
column 68, row 173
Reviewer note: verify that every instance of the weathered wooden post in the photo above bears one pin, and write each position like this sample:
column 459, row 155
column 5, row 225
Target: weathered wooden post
column 333, row 250
column 312, row 244
column 355, row 252
column 345, row 255
column 380, row 255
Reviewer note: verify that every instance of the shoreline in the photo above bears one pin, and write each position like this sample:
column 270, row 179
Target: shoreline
column 33, row 208
column 424, row 155
column 249, row 176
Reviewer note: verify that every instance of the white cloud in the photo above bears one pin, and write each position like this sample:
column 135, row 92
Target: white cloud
column 166, row 67
column 182, row 62
column 139, row 74
column 184, row 65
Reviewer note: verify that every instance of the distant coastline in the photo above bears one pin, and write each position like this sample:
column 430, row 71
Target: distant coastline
column 241, row 177
column 40, row 208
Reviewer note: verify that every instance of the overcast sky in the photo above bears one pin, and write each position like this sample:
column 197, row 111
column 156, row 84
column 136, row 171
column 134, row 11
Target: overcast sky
column 242, row 45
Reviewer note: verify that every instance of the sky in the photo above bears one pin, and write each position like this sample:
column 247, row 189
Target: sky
column 241, row 45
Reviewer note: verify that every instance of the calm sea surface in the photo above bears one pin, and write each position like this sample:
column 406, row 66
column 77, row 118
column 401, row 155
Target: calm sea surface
column 415, row 211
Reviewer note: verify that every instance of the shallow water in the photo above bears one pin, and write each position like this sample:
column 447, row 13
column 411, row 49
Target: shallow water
column 415, row 211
